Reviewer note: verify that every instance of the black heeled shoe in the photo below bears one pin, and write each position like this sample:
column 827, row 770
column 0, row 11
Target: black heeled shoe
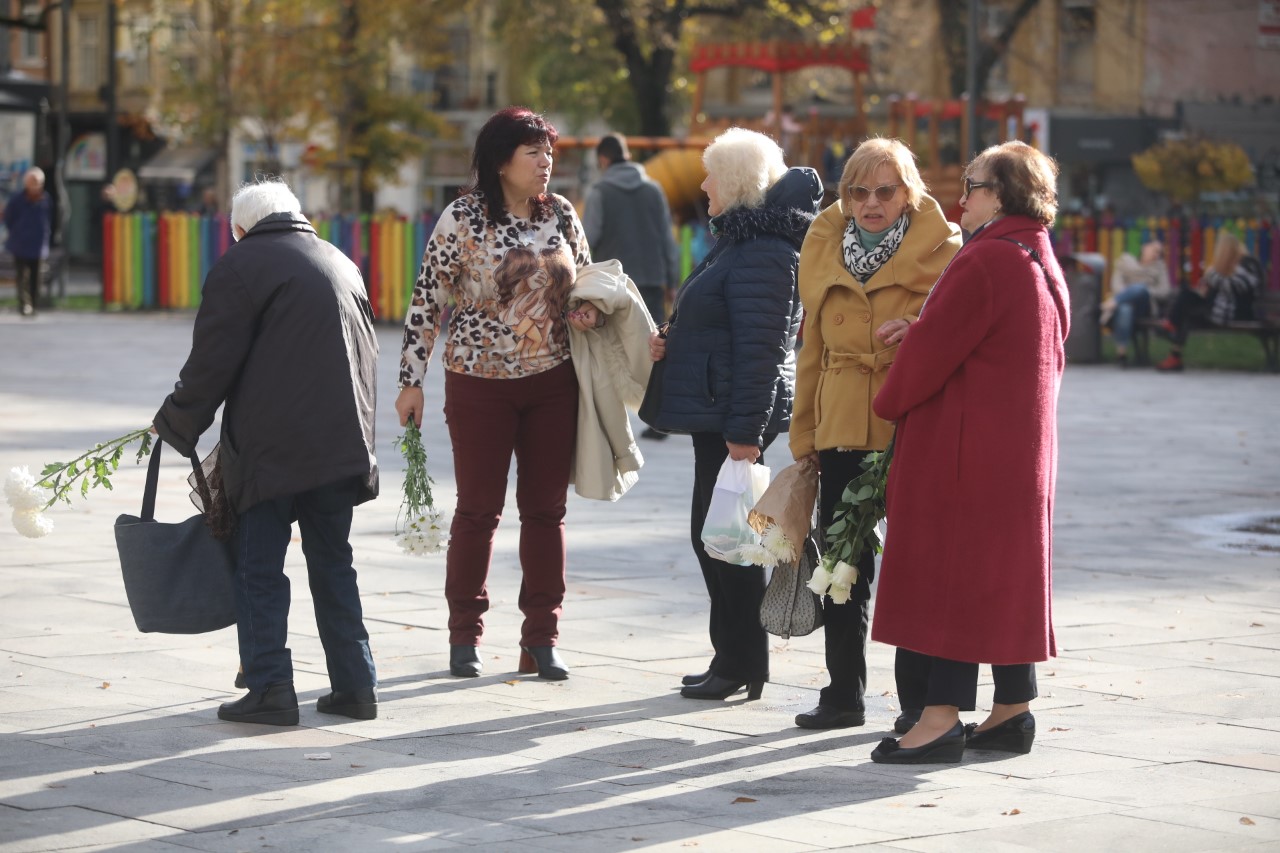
column 359, row 704
column 906, row 720
column 464, row 662
column 1015, row 734
column 828, row 717
column 689, row 680
column 716, row 687
column 545, row 661
column 947, row 749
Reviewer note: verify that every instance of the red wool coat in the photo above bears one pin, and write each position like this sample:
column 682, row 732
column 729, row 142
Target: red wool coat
column 974, row 390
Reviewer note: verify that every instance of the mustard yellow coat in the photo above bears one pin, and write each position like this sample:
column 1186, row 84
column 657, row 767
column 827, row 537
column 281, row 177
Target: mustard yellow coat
column 842, row 363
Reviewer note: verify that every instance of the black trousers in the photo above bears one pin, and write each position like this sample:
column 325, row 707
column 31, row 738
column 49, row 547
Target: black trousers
column 926, row 680
column 1189, row 309
column 844, row 626
column 741, row 645
column 27, row 274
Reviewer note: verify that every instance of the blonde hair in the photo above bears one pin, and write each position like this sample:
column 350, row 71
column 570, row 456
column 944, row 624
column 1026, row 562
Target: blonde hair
column 1227, row 253
column 1024, row 179
column 871, row 155
column 745, row 164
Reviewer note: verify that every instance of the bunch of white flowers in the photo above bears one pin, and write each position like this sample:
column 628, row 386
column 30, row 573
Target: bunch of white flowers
column 29, row 500
column 834, row 578
column 425, row 534
column 774, row 548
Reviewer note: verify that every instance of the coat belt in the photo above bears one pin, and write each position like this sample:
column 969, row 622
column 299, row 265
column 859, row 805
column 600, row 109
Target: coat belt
column 863, row 362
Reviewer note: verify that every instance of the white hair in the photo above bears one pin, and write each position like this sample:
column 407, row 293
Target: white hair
column 254, row 202
column 35, row 172
column 745, row 164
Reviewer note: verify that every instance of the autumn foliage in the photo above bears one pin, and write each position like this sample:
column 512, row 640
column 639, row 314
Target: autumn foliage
column 1183, row 169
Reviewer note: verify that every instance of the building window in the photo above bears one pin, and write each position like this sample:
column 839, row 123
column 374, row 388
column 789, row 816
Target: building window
column 31, row 45
column 1078, row 27
column 88, row 53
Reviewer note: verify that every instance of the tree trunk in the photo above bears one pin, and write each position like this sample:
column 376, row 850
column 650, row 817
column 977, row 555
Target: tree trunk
column 953, row 18
column 649, row 77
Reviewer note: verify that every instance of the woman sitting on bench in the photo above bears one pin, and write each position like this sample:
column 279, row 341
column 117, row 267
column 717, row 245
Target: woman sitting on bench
column 1224, row 295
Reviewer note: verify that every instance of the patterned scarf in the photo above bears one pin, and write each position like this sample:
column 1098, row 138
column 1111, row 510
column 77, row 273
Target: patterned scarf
column 862, row 264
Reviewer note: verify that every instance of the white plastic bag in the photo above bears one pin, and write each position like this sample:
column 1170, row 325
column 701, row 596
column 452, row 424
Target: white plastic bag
column 738, row 486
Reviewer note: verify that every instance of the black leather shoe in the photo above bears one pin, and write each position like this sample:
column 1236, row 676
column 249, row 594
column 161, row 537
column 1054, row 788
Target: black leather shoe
column 695, row 679
column 275, row 706
column 464, row 662
column 948, row 749
column 827, row 717
column 545, row 661
column 908, row 718
column 359, row 704
column 1013, row 735
column 716, row 687
column 240, row 683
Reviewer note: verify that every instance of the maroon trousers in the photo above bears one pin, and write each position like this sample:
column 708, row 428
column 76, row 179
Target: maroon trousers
column 536, row 417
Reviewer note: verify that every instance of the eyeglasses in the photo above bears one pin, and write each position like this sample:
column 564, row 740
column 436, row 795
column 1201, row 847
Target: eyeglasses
column 884, row 193
column 970, row 185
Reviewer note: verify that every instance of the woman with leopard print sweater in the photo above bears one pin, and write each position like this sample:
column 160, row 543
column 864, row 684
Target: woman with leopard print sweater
column 507, row 252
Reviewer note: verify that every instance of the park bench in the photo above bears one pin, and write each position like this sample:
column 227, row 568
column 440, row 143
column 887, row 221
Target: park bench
column 1266, row 330
column 52, row 271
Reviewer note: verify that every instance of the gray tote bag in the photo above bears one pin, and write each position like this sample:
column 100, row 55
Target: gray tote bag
column 178, row 577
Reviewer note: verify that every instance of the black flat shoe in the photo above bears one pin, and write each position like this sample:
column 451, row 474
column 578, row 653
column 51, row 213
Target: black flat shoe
column 827, row 717
column 948, row 749
column 545, row 661
column 275, row 706
column 908, row 718
column 716, row 687
column 359, row 704
column 695, row 679
column 240, row 683
column 464, row 662
column 1013, row 735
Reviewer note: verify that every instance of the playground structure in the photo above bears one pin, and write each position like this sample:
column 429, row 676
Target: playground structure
column 934, row 130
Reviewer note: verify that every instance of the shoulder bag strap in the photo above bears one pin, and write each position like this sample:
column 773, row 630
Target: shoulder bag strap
column 153, row 479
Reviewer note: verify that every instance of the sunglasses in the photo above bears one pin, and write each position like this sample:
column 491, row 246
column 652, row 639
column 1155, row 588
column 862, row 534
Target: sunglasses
column 884, row 193
column 970, row 185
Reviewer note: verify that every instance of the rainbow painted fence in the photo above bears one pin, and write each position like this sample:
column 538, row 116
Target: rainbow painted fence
column 160, row 260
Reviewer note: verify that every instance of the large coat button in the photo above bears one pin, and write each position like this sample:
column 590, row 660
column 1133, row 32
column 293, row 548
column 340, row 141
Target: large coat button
column 838, row 319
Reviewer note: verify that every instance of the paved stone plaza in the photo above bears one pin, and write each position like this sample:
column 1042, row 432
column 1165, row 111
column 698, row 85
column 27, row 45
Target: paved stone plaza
column 1158, row 725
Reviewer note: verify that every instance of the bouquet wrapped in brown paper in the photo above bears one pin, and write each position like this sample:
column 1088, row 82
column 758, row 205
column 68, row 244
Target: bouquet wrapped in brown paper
column 784, row 515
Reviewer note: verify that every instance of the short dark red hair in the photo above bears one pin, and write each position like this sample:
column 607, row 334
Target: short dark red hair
column 504, row 132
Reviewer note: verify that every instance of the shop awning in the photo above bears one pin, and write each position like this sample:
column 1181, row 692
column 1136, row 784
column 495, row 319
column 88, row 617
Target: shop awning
column 180, row 165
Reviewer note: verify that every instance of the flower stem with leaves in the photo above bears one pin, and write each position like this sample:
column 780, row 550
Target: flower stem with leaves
column 853, row 527
column 419, row 526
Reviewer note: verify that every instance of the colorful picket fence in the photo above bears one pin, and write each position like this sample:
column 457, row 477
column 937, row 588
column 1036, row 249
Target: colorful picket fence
column 1188, row 243
column 152, row 260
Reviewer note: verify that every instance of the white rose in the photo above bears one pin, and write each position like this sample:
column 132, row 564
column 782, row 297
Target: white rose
column 821, row 580
column 839, row 593
column 845, row 575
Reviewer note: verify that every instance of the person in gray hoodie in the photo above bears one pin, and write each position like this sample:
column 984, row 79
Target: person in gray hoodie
column 627, row 219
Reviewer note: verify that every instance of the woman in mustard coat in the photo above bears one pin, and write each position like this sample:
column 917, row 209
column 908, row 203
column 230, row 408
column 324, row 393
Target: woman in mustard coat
column 866, row 266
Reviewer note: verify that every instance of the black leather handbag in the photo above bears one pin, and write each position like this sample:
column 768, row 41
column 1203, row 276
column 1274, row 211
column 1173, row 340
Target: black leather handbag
column 178, row 577
column 651, row 406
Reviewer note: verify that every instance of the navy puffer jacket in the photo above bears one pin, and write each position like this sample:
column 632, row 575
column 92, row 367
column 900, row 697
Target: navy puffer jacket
column 731, row 342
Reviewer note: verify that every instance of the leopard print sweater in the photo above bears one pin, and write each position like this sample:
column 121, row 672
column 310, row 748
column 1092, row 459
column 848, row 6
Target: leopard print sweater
column 508, row 286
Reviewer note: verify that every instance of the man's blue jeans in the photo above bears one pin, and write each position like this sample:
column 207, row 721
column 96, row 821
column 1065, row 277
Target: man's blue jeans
column 262, row 589
column 1132, row 304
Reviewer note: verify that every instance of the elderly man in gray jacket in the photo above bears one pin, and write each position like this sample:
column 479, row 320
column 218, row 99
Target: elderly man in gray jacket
column 284, row 338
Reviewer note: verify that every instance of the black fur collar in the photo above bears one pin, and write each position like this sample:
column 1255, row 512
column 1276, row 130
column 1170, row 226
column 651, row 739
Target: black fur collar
column 747, row 223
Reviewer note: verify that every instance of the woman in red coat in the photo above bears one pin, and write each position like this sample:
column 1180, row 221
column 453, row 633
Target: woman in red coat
column 966, row 577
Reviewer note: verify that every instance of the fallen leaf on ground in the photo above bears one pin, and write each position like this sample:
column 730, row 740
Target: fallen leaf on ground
column 744, row 800
column 1247, row 821
column 512, row 681
column 580, row 729
column 60, row 785
column 105, row 685
column 1059, row 729
column 317, row 756
column 927, row 806
column 1012, row 812
column 1256, row 625
column 357, row 766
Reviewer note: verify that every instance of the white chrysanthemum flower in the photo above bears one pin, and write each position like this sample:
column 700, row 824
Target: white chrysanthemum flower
column 821, row 580
column 22, row 492
column 839, row 593
column 32, row 523
column 758, row 555
column 845, row 575
column 424, row 534
column 777, row 543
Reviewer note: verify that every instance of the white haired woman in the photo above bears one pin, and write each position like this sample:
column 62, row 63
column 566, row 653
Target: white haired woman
column 730, row 369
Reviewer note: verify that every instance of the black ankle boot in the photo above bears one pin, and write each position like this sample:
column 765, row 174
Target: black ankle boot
column 545, row 661
column 464, row 662
column 359, row 704
column 716, row 687
column 275, row 706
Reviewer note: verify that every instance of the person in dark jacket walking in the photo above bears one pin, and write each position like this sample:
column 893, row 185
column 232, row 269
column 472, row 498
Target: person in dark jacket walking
column 284, row 337
column 27, row 219
column 729, row 377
